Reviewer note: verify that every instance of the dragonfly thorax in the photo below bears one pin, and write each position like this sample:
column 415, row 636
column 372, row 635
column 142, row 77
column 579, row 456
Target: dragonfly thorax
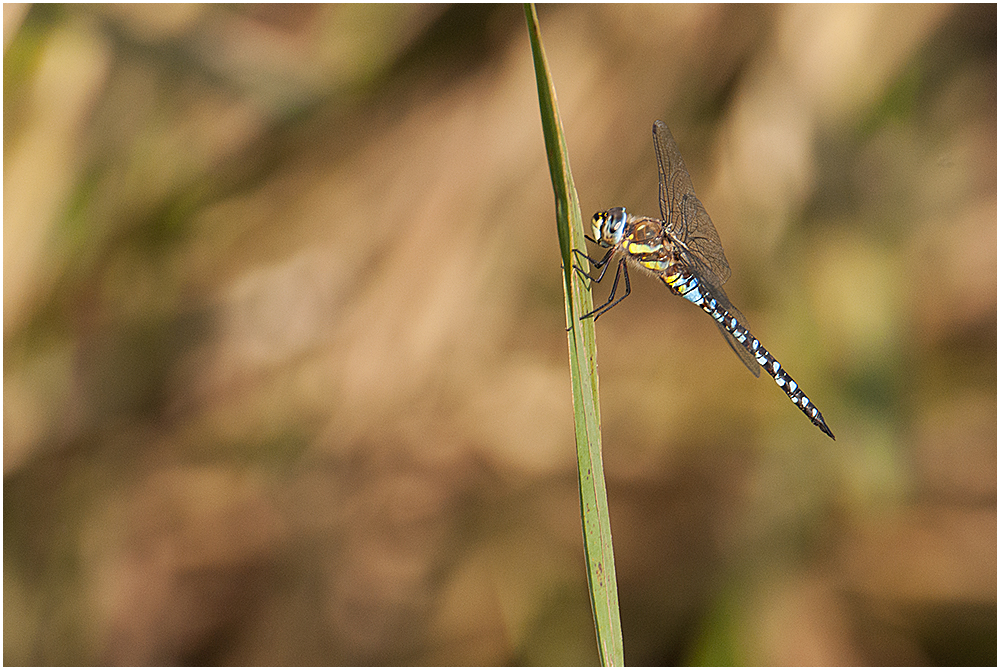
column 609, row 226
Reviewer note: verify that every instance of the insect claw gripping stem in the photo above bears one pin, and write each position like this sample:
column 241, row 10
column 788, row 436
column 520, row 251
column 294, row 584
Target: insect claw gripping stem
column 602, row 265
column 611, row 302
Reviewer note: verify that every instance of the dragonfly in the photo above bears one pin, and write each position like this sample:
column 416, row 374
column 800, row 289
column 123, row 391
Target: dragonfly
column 683, row 250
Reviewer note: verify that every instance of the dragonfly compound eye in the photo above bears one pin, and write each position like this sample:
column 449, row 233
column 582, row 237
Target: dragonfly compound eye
column 609, row 226
column 616, row 223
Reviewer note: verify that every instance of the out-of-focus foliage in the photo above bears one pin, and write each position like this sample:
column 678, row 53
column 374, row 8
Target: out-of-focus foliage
column 284, row 364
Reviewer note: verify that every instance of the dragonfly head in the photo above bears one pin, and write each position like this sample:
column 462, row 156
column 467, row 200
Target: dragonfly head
column 609, row 226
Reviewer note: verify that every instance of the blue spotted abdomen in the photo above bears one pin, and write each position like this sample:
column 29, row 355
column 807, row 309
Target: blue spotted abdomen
column 682, row 282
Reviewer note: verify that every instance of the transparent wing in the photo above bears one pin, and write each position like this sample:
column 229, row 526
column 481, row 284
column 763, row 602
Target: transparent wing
column 682, row 212
column 711, row 288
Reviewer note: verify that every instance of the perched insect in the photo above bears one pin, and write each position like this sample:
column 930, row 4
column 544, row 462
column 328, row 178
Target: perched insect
column 683, row 251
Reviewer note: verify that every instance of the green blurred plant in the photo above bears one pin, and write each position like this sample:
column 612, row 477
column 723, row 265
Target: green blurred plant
column 583, row 370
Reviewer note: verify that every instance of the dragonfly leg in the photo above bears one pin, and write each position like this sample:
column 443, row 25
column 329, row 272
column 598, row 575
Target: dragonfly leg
column 601, row 265
column 612, row 301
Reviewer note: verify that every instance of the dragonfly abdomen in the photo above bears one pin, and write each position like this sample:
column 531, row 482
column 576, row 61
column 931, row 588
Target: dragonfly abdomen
column 685, row 284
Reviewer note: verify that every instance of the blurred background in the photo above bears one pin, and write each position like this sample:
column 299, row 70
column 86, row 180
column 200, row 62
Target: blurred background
column 285, row 370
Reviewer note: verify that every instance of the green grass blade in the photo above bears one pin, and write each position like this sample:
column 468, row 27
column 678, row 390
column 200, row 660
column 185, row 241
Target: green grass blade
column 583, row 370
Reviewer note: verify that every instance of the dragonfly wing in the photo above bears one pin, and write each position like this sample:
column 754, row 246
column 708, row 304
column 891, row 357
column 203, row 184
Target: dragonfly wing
column 712, row 288
column 748, row 360
column 685, row 216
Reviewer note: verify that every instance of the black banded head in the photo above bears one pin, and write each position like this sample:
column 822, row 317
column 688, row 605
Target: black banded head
column 609, row 226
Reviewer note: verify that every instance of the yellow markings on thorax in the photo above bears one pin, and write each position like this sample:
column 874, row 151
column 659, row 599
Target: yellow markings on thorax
column 657, row 265
column 645, row 245
column 642, row 248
